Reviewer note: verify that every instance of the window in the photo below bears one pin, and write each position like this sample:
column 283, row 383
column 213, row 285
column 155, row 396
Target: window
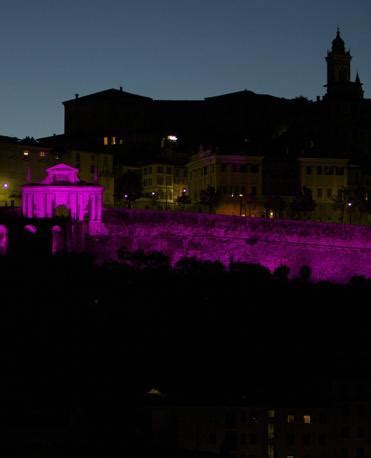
column 319, row 170
column 204, row 171
column 329, row 193
column 344, row 433
column 329, row 170
column 223, row 167
column 149, row 170
column 322, row 439
column 145, row 171
column 306, row 439
column 234, row 168
column 160, row 169
column 105, row 141
column 290, row 439
column 113, row 141
column 360, row 453
column 319, row 193
column 243, row 439
column 360, row 433
column 254, row 168
column 160, row 180
column 290, row 418
column 307, row 419
column 168, row 180
column 308, row 170
column 212, row 438
column 42, row 153
column 344, row 453
column 26, row 153
column 243, row 414
column 243, row 168
column 339, row 170
column 253, row 439
column 270, row 431
column 253, row 190
column 271, row 413
column 168, row 170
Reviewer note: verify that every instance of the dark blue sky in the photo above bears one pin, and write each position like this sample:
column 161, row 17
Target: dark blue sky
column 169, row 49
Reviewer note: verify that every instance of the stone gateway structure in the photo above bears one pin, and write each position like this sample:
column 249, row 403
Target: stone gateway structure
column 61, row 191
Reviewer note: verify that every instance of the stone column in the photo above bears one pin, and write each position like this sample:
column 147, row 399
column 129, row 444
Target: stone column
column 98, row 202
column 30, row 205
column 24, row 203
column 92, row 207
column 80, row 206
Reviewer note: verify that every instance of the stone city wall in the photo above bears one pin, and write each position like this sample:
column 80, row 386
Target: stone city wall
column 333, row 252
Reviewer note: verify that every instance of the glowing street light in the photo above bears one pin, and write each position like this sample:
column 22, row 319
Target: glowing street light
column 5, row 185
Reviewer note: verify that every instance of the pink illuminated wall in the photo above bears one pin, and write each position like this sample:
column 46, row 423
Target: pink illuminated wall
column 3, row 240
column 333, row 251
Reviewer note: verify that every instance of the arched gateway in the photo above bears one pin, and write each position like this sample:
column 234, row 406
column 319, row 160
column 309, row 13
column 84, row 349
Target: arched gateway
column 62, row 188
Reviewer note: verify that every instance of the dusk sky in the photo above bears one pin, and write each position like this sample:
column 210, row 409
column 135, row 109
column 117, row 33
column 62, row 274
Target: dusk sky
column 167, row 49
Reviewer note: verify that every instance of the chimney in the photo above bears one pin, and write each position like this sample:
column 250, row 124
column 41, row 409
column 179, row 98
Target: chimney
column 76, row 96
column 120, row 88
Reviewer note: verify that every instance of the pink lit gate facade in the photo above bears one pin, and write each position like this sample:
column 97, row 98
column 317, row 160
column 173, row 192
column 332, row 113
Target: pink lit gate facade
column 62, row 188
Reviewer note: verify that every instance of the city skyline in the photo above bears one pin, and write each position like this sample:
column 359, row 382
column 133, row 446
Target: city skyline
column 167, row 51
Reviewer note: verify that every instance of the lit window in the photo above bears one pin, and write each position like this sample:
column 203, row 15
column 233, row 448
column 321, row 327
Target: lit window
column 307, row 419
column 271, row 413
column 172, row 138
column 290, row 418
column 26, row 153
column 42, row 153
column 113, row 141
column 329, row 193
column 105, row 140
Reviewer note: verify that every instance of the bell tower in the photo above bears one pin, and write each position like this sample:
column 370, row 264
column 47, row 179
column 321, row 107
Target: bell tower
column 339, row 82
column 338, row 62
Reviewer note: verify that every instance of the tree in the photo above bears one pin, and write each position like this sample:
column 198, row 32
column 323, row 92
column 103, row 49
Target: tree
column 303, row 203
column 276, row 204
column 183, row 200
column 351, row 202
column 129, row 187
column 210, row 197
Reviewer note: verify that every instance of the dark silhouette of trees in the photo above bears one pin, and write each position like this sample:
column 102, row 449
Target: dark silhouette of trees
column 183, row 200
column 276, row 204
column 303, row 203
column 129, row 187
column 210, row 197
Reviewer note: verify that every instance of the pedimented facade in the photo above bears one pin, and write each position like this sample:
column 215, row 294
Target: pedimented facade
column 62, row 191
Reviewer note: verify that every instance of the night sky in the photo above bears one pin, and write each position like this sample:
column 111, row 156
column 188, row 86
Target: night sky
column 168, row 49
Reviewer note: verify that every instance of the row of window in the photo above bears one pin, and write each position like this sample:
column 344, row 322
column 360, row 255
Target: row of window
column 344, row 453
column 159, row 169
column 327, row 170
column 112, row 141
column 27, row 153
column 231, row 418
column 238, row 191
column 160, row 180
